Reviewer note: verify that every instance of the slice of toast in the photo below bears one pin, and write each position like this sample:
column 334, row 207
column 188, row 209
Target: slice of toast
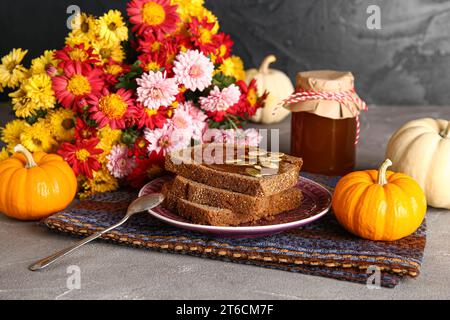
column 208, row 205
column 194, row 165
column 237, row 202
column 208, row 215
column 198, row 213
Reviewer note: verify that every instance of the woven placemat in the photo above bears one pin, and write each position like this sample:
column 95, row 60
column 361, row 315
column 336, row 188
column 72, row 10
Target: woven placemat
column 322, row 248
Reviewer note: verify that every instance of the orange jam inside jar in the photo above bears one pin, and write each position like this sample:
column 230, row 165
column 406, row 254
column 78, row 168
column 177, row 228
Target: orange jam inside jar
column 327, row 146
column 324, row 122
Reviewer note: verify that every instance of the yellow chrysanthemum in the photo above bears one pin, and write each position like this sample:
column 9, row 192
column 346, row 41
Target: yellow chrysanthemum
column 112, row 28
column 22, row 105
column 11, row 133
column 108, row 137
column 38, row 137
column 38, row 89
column 42, row 63
column 102, row 181
column 113, row 69
column 12, row 72
column 107, row 51
column 211, row 18
column 73, row 39
column 4, row 154
column 233, row 67
column 84, row 28
column 188, row 8
column 62, row 124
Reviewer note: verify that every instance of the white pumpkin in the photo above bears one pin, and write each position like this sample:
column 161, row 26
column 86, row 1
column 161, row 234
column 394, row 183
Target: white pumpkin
column 279, row 87
column 421, row 149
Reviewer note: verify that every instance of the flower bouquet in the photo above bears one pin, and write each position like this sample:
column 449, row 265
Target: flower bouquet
column 112, row 103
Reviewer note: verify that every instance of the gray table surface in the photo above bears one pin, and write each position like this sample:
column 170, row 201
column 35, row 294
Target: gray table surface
column 116, row 272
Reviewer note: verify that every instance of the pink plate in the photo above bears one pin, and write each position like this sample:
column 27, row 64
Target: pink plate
column 316, row 203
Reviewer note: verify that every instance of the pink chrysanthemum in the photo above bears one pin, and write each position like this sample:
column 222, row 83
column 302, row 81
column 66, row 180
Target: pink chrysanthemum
column 249, row 137
column 221, row 100
column 193, row 116
column 155, row 90
column 181, row 118
column 119, row 164
column 167, row 139
column 193, row 69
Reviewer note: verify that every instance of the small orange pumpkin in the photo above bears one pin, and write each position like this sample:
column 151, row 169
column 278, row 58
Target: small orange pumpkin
column 34, row 186
column 381, row 205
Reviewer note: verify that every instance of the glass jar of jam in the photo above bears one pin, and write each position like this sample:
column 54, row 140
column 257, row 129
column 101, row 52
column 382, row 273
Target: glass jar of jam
column 324, row 128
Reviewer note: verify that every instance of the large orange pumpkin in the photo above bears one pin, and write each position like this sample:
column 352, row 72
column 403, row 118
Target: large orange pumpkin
column 34, row 186
column 379, row 205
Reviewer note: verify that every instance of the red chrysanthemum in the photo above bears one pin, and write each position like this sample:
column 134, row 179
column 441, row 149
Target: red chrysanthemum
column 183, row 42
column 153, row 16
column 224, row 49
column 111, row 108
column 76, row 83
column 84, row 131
column 156, row 61
column 146, row 169
column 78, row 53
column 150, row 44
column 180, row 97
column 150, row 118
column 202, row 36
column 82, row 156
column 114, row 70
column 219, row 116
column 139, row 149
column 249, row 101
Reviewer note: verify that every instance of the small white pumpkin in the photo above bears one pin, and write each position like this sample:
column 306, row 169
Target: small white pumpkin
column 421, row 149
column 279, row 87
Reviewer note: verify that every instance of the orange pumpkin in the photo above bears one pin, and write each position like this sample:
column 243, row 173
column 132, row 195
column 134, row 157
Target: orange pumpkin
column 34, row 186
column 379, row 205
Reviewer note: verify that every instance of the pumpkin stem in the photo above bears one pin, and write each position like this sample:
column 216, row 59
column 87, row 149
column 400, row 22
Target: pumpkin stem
column 30, row 160
column 382, row 180
column 266, row 63
column 446, row 133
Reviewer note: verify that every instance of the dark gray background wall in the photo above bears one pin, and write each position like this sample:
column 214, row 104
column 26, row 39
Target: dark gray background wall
column 406, row 62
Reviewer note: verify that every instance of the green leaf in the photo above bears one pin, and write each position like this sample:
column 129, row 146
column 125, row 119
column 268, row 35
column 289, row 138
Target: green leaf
column 222, row 81
column 36, row 116
column 130, row 135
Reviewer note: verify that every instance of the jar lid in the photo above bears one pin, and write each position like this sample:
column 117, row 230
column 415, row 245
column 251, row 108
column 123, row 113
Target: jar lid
column 326, row 93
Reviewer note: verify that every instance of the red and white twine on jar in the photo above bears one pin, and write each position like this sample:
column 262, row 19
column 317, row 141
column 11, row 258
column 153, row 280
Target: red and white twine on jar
column 342, row 97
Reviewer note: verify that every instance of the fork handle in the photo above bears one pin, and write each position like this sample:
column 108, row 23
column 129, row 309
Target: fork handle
column 43, row 263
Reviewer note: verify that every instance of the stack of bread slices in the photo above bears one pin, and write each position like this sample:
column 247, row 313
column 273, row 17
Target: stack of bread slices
column 224, row 185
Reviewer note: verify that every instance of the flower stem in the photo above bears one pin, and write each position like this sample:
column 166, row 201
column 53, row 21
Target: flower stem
column 266, row 63
column 30, row 160
column 382, row 180
column 232, row 123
